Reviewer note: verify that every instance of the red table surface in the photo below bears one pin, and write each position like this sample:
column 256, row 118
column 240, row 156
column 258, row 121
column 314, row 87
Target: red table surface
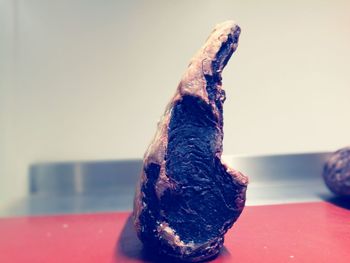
column 309, row 232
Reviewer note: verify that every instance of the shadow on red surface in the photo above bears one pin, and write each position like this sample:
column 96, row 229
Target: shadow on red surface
column 340, row 201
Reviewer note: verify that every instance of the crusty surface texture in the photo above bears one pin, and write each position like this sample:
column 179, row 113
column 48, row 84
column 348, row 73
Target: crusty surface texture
column 187, row 199
column 336, row 172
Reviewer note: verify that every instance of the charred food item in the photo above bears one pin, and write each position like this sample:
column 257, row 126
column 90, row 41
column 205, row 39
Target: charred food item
column 336, row 172
column 187, row 198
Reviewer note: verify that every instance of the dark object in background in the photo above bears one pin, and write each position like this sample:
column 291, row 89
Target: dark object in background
column 187, row 199
column 336, row 172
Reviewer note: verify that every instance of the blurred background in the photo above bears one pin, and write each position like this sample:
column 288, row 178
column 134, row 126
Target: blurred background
column 88, row 80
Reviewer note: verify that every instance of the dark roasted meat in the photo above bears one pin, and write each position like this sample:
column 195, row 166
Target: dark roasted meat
column 187, row 198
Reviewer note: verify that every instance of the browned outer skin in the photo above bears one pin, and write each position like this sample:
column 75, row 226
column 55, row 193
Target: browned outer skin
column 193, row 82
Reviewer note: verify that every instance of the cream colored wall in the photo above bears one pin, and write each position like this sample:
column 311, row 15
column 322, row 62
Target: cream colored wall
column 87, row 80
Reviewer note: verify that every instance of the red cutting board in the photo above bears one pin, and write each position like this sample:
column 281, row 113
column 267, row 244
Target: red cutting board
column 309, row 232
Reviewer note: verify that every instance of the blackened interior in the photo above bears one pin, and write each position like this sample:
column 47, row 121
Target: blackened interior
column 225, row 52
column 150, row 214
column 204, row 197
column 222, row 57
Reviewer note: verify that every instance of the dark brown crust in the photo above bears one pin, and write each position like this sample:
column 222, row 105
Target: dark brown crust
column 193, row 83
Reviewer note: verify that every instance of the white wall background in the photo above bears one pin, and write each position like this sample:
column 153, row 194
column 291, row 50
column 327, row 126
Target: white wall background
column 87, row 80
